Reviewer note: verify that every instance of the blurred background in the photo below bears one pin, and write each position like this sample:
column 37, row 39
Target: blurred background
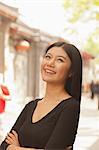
column 26, row 29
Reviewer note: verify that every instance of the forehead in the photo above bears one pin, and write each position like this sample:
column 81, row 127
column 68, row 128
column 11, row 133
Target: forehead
column 58, row 51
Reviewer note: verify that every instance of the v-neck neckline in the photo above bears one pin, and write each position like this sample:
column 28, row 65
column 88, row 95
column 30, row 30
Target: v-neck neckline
column 46, row 115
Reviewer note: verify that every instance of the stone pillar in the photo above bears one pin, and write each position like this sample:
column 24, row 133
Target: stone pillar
column 4, row 28
column 31, row 71
column 37, row 70
column 34, row 70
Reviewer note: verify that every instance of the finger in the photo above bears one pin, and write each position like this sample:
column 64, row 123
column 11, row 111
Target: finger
column 8, row 137
column 7, row 141
column 15, row 133
column 11, row 135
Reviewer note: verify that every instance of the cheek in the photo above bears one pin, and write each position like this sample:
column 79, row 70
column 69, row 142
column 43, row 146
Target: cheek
column 63, row 71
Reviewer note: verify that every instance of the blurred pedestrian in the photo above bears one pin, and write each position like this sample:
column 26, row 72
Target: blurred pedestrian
column 92, row 89
column 52, row 121
column 97, row 92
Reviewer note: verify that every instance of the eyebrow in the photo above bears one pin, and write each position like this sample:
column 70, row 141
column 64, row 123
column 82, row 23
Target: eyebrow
column 58, row 55
column 61, row 56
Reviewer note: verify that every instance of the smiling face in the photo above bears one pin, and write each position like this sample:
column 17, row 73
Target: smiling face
column 55, row 66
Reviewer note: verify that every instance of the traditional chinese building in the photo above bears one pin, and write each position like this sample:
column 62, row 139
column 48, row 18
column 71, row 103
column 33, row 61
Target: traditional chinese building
column 21, row 49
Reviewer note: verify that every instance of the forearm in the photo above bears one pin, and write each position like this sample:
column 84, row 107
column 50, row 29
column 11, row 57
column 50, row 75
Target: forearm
column 13, row 147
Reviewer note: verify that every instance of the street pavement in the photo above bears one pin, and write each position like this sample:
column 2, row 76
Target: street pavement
column 88, row 130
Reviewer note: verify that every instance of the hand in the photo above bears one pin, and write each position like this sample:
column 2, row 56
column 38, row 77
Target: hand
column 12, row 138
column 12, row 147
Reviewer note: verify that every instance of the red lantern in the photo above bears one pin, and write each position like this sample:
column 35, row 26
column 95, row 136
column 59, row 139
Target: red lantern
column 23, row 46
column 2, row 104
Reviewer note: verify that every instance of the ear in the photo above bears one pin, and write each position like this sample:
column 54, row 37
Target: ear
column 70, row 74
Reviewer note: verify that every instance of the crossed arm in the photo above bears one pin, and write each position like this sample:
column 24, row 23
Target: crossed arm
column 13, row 141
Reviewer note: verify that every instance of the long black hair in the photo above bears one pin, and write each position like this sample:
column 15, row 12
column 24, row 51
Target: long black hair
column 73, row 84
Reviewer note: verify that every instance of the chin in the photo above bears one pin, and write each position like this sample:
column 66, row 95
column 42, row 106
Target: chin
column 48, row 79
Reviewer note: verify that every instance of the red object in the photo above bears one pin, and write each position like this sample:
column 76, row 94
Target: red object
column 2, row 104
column 5, row 90
column 86, row 55
column 23, row 46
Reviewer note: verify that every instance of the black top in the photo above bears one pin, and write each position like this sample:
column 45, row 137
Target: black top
column 56, row 130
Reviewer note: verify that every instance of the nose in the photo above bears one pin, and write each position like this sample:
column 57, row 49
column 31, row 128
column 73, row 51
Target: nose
column 51, row 63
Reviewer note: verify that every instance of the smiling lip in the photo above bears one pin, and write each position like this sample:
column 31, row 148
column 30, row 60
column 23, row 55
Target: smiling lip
column 49, row 71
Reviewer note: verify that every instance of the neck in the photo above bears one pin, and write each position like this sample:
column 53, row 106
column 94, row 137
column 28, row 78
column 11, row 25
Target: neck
column 55, row 92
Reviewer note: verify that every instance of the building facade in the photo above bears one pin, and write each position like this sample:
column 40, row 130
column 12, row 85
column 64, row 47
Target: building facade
column 21, row 49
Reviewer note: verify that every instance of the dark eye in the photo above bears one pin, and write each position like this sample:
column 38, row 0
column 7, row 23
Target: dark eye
column 60, row 60
column 47, row 56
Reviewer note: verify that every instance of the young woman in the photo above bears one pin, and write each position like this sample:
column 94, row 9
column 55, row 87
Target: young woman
column 51, row 122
